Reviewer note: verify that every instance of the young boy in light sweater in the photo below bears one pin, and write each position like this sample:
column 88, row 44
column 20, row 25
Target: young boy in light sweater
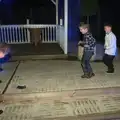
column 110, row 48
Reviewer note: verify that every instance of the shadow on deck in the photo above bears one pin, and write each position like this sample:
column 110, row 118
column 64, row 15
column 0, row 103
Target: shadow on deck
column 42, row 49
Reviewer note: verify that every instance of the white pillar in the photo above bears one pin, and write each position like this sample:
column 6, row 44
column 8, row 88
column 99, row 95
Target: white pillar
column 66, row 26
column 28, row 32
column 28, row 21
column 56, row 12
column 61, row 22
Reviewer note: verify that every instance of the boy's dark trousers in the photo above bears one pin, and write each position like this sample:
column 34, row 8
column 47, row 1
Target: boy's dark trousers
column 85, row 62
column 0, row 65
column 108, row 61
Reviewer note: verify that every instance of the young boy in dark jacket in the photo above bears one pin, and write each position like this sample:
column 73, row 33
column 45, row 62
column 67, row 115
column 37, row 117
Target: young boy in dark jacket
column 5, row 54
column 89, row 44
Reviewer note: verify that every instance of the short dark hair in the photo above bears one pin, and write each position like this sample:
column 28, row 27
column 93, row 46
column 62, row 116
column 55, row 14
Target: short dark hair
column 108, row 24
column 85, row 26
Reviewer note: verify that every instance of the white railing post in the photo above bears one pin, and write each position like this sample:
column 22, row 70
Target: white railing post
column 28, row 32
column 28, row 21
column 61, row 22
column 57, row 27
column 58, row 34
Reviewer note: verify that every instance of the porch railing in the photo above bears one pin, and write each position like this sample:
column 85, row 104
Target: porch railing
column 20, row 34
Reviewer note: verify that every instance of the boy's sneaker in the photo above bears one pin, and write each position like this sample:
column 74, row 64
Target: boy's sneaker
column 88, row 75
column 1, row 69
column 110, row 71
column 1, row 111
column 91, row 74
column 85, row 76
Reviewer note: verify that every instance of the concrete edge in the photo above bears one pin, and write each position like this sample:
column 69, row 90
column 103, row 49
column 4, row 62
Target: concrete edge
column 12, row 97
column 97, row 116
column 39, row 57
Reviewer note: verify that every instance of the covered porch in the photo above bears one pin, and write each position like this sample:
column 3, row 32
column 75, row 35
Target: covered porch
column 63, row 34
column 48, row 39
column 21, row 38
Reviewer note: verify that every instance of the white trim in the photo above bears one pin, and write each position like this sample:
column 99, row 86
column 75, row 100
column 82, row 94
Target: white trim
column 53, row 2
column 28, row 26
column 66, row 25
column 56, row 12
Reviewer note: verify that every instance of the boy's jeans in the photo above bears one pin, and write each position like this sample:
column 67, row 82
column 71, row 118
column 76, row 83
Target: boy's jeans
column 85, row 63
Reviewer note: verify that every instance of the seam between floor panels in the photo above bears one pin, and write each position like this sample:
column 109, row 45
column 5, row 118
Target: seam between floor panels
column 11, row 78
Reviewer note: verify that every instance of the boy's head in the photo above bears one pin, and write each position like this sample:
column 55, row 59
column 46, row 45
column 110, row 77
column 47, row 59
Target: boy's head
column 4, row 48
column 108, row 28
column 84, row 28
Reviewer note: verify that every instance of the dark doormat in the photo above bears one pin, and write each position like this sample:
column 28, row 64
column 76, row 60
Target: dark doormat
column 0, row 81
column 21, row 87
column 1, row 112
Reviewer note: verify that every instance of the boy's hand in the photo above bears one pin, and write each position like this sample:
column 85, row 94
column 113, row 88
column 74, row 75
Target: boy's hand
column 80, row 42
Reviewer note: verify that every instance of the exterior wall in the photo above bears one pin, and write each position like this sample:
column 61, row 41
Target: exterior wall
column 73, row 25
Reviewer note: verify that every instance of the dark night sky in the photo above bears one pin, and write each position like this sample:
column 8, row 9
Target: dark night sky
column 110, row 14
column 20, row 9
column 110, row 10
column 43, row 12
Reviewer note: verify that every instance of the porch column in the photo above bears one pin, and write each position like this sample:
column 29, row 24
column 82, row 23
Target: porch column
column 56, row 12
column 72, row 21
column 66, row 25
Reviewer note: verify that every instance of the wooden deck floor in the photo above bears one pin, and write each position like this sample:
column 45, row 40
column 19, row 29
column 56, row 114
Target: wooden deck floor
column 42, row 49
